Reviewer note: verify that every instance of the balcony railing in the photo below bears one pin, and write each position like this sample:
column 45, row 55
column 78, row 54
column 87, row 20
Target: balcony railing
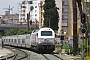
column 64, row 12
column 64, row 18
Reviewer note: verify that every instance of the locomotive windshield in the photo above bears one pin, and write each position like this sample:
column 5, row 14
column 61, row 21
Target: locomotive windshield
column 46, row 33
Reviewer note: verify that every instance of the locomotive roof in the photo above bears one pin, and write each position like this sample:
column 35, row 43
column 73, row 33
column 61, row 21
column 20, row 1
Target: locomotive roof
column 36, row 30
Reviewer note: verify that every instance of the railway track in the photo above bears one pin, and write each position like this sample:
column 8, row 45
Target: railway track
column 18, row 54
column 22, row 54
column 58, row 57
column 51, row 57
column 45, row 57
column 38, row 56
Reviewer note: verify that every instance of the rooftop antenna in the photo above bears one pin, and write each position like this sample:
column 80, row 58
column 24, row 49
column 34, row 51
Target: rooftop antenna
column 9, row 8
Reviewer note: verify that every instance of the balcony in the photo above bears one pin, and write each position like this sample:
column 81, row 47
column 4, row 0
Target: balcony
column 64, row 26
column 64, row 18
column 65, row 13
column 65, row 5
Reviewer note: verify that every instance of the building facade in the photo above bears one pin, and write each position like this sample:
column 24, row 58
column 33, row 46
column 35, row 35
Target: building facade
column 8, row 18
column 36, row 14
column 31, row 6
column 65, row 17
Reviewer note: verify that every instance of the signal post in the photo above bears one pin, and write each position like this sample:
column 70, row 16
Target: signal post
column 83, row 31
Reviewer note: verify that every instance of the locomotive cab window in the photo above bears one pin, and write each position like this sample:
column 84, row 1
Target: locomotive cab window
column 46, row 33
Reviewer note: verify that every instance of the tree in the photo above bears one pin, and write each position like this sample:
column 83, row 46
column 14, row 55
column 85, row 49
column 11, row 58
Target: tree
column 30, row 23
column 17, row 31
column 75, row 38
column 50, row 14
column 3, row 22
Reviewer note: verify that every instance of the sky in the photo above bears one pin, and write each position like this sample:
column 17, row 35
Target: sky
column 5, row 4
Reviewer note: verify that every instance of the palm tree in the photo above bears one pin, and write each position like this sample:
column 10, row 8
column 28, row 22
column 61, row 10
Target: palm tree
column 79, row 5
column 75, row 38
column 30, row 23
column 75, row 44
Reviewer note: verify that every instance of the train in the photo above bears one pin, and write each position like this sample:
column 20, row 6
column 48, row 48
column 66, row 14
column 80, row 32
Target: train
column 42, row 39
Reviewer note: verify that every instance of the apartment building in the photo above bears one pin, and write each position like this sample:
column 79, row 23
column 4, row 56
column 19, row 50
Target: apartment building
column 31, row 6
column 65, row 17
column 36, row 14
column 8, row 18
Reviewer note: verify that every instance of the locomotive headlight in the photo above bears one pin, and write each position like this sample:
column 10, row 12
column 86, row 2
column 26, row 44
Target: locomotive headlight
column 39, row 42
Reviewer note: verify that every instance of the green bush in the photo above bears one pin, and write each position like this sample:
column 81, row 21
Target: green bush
column 17, row 31
column 68, row 48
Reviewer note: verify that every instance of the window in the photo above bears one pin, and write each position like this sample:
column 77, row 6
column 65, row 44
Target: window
column 35, row 6
column 23, row 18
column 64, row 17
column 23, row 14
column 23, row 11
column 29, row 2
column 35, row 14
column 12, row 40
column 15, row 40
column 9, row 40
column 46, row 33
column 23, row 6
column 23, row 40
column 23, row 2
column 18, row 40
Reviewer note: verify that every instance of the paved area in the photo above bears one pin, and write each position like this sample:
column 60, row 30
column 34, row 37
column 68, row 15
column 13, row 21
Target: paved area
column 4, row 52
column 71, row 57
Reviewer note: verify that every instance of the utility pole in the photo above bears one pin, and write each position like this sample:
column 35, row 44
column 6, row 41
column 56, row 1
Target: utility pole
column 28, row 17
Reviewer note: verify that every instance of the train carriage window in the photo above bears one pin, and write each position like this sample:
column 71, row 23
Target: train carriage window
column 12, row 40
column 46, row 33
column 9, row 40
column 23, row 40
column 18, row 40
column 15, row 40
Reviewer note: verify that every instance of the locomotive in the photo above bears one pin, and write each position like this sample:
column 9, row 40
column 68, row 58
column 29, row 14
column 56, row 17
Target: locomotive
column 42, row 39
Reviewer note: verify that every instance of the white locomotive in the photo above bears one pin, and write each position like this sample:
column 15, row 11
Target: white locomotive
column 40, row 40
